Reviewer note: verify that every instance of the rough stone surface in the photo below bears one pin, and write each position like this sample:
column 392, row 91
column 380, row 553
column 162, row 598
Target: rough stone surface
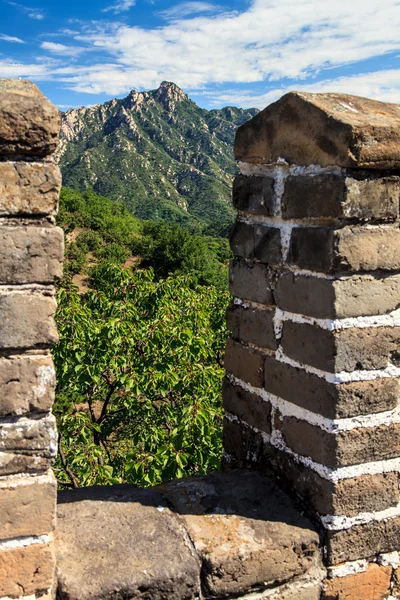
column 28, row 435
column 121, row 542
column 27, row 570
column 360, row 295
column 251, row 281
column 249, row 407
column 346, row 350
column 12, row 463
column 254, row 195
column 246, row 530
column 324, row 129
column 254, row 240
column 245, row 363
column 27, row 507
column 372, row 584
column 30, row 254
column 29, row 188
column 29, row 123
column 252, row 325
column 27, row 320
column 338, row 196
column 27, row 384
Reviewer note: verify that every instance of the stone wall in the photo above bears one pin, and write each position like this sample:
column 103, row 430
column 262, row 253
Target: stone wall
column 31, row 252
column 313, row 366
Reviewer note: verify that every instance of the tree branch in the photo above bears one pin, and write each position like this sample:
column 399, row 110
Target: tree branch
column 66, row 468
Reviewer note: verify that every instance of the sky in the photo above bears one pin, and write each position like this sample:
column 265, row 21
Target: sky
column 244, row 53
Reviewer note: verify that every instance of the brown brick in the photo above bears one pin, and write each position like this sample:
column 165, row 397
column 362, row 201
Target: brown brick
column 27, row 570
column 28, row 435
column 254, row 325
column 12, row 463
column 363, row 541
column 251, row 281
column 30, row 254
column 27, row 320
column 335, row 195
column 29, row 188
column 346, row 350
column 254, row 195
column 29, row 123
column 364, row 444
column 350, row 249
column 360, row 295
column 243, row 446
column 372, row 584
column 28, row 507
column 27, row 384
column 248, row 407
column 245, row 363
column 254, row 240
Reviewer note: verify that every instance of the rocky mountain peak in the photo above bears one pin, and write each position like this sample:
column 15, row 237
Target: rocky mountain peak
column 169, row 94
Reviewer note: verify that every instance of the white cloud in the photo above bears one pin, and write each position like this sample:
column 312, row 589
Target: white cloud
column 10, row 38
column 185, row 9
column 61, row 49
column 33, row 13
column 120, row 6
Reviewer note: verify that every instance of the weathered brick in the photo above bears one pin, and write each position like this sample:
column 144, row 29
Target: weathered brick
column 364, row 444
column 254, row 240
column 29, row 123
column 254, row 195
column 360, row 295
column 243, row 446
column 28, row 506
column 254, row 325
column 12, row 463
column 28, row 435
column 350, row 249
column 29, row 188
column 249, row 407
column 344, row 350
column 245, row 363
column 363, row 541
column 27, row 320
column 325, row 398
column 372, row 584
column 26, row 570
column 27, row 384
column 30, row 254
column 251, row 281
column 336, row 195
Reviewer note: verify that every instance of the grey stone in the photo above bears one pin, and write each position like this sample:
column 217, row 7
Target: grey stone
column 251, row 281
column 120, row 542
column 29, row 188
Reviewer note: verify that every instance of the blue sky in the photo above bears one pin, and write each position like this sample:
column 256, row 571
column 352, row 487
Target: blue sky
column 242, row 52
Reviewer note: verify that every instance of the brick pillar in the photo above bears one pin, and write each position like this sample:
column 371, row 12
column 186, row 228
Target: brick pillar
column 31, row 252
column 313, row 366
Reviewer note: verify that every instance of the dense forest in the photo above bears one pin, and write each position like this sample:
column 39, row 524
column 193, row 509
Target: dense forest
column 141, row 318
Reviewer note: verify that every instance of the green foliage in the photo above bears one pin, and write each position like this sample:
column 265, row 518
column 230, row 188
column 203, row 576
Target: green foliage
column 139, row 378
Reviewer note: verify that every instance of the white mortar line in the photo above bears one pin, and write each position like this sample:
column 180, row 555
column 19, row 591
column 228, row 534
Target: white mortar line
column 279, row 222
column 348, row 568
column 389, row 559
column 341, row 522
column 391, row 319
column 271, row 169
column 22, row 542
column 24, row 479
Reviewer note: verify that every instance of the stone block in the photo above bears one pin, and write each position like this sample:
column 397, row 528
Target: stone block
column 28, row 506
column 29, row 188
column 363, row 541
column 350, row 249
column 252, row 325
column 323, row 129
column 27, row 320
column 29, row 435
column 246, row 530
column 352, row 349
column 251, row 281
column 27, row 384
column 26, row 570
column 359, row 295
column 12, row 463
column 254, row 195
column 340, row 196
column 30, row 254
column 254, row 240
column 123, row 542
column 245, row 363
column 372, row 584
column 248, row 407
column 29, row 123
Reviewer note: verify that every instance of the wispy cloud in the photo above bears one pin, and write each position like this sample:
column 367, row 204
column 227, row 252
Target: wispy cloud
column 186, row 9
column 11, row 38
column 61, row 49
column 32, row 13
column 120, row 6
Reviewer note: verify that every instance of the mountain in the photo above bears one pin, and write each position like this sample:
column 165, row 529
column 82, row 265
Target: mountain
column 164, row 156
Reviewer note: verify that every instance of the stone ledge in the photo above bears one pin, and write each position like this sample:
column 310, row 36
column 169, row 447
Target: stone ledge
column 220, row 536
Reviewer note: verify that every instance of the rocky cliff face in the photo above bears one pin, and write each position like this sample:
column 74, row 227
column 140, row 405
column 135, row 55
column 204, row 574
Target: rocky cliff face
column 158, row 151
